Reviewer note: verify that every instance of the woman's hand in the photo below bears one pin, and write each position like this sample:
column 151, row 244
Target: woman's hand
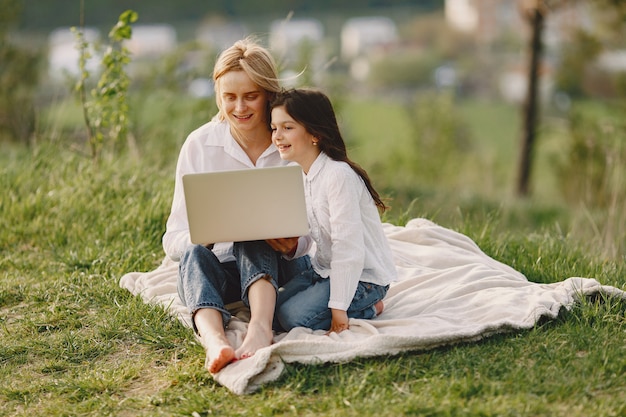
column 285, row 245
column 339, row 321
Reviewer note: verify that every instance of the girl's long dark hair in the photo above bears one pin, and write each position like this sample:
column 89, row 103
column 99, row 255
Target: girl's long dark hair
column 313, row 110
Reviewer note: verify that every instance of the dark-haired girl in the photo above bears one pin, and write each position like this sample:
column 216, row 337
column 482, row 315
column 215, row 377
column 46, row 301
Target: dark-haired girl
column 352, row 266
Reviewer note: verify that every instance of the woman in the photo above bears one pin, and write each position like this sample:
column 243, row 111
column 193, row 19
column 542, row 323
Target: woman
column 352, row 266
column 211, row 276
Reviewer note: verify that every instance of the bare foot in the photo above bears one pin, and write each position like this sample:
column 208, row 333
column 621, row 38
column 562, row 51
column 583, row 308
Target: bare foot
column 379, row 306
column 219, row 354
column 257, row 337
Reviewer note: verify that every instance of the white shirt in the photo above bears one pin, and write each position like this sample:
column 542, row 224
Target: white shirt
column 351, row 245
column 209, row 148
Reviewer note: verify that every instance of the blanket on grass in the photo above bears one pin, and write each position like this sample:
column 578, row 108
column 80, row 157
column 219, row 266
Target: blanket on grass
column 448, row 291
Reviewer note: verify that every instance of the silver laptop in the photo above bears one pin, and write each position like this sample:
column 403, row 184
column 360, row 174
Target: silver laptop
column 244, row 205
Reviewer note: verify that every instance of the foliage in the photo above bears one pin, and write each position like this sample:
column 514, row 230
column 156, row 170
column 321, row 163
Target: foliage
column 403, row 70
column 106, row 112
column 54, row 13
column 162, row 120
column 575, row 60
column 19, row 74
column 591, row 171
column 9, row 16
column 439, row 144
column 174, row 71
column 578, row 73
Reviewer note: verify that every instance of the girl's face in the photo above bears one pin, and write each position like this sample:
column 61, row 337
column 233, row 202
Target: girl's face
column 292, row 140
column 243, row 102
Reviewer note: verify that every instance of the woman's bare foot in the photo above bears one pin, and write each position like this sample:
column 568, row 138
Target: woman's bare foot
column 257, row 337
column 379, row 306
column 219, row 353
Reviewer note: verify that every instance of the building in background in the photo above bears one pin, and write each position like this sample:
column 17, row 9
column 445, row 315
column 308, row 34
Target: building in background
column 219, row 34
column 286, row 36
column 359, row 35
column 364, row 37
column 152, row 41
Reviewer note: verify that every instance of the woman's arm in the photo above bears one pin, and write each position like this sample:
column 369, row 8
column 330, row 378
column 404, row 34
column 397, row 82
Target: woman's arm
column 291, row 247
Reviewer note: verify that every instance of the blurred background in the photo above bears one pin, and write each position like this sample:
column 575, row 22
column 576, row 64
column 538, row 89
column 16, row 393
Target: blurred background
column 449, row 104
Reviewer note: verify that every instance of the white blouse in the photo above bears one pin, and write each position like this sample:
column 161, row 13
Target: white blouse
column 351, row 245
column 209, row 148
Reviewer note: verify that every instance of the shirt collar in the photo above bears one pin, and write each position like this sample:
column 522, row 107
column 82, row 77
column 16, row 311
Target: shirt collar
column 317, row 165
column 221, row 131
column 231, row 146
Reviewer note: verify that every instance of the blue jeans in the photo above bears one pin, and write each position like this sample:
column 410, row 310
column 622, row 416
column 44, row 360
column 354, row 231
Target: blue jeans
column 303, row 302
column 205, row 282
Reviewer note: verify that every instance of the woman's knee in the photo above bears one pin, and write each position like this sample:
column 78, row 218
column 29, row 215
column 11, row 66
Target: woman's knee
column 193, row 252
column 258, row 281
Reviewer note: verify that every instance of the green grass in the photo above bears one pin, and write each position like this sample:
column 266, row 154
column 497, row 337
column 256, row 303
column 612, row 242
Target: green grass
column 73, row 343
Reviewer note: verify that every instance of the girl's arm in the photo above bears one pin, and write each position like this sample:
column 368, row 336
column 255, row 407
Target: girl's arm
column 344, row 192
column 339, row 321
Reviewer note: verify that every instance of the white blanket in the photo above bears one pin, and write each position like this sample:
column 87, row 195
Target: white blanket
column 449, row 291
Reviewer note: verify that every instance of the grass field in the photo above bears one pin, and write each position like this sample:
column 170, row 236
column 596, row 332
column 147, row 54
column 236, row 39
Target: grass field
column 73, row 343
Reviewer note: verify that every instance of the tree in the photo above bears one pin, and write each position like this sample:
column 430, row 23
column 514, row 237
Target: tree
column 534, row 12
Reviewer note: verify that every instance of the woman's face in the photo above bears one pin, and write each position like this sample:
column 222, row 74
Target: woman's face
column 292, row 140
column 243, row 102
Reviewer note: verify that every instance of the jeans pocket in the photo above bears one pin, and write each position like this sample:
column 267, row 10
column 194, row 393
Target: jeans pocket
column 363, row 290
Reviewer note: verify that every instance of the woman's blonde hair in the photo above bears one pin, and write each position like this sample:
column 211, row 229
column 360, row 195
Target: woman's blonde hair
column 249, row 56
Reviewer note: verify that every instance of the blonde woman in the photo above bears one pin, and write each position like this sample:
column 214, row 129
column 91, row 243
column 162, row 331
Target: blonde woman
column 211, row 276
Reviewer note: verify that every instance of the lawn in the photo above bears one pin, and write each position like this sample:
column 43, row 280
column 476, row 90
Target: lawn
column 73, row 343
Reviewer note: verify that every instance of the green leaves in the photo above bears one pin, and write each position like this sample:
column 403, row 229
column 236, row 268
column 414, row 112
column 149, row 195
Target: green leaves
column 106, row 108
column 122, row 30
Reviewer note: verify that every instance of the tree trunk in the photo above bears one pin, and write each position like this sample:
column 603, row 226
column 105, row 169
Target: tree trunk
column 531, row 104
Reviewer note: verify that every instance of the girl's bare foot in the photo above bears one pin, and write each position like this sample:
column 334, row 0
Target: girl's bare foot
column 379, row 306
column 257, row 337
column 219, row 354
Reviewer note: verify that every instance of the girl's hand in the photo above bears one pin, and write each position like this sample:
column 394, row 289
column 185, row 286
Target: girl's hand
column 339, row 321
column 285, row 245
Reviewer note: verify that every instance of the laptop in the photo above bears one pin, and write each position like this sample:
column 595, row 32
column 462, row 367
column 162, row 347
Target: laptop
column 247, row 204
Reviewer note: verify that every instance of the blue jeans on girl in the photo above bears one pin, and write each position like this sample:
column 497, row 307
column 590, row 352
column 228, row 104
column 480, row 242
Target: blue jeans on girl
column 303, row 301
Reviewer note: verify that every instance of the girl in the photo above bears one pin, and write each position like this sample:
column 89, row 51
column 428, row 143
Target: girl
column 352, row 266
